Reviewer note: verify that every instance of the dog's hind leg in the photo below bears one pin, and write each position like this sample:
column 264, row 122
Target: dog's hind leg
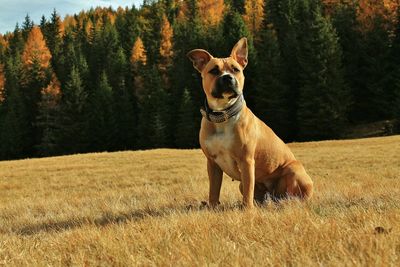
column 294, row 182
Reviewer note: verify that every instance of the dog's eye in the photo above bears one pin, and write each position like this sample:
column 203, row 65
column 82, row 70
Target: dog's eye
column 214, row 71
column 235, row 69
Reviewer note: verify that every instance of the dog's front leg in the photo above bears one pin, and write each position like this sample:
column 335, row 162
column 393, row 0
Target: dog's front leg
column 247, row 169
column 215, row 177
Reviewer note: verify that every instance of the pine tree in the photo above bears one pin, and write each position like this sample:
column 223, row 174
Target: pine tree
column 323, row 100
column 186, row 135
column 233, row 28
column 46, row 121
column 395, row 71
column 2, row 82
column 16, row 43
column 373, row 98
column 71, row 136
column 52, row 33
column 124, row 104
column 272, row 103
column 237, row 5
column 27, row 26
column 282, row 14
column 101, row 124
column 153, row 113
column 393, row 81
column 13, row 115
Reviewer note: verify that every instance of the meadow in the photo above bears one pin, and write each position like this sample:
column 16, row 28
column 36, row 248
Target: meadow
column 143, row 208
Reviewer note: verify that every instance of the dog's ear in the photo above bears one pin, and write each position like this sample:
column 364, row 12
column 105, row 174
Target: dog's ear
column 240, row 52
column 200, row 58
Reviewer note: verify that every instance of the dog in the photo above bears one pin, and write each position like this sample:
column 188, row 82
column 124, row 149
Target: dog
column 236, row 142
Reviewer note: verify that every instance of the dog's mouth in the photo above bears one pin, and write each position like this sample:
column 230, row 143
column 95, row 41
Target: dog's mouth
column 230, row 93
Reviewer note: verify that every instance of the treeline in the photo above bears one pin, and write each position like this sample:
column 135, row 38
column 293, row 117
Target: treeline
column 107, row 80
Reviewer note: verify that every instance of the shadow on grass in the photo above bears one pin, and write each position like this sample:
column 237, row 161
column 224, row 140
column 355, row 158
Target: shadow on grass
column 109, row 218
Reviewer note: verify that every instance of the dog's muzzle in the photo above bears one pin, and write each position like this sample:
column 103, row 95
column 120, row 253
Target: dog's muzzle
column 226, row 84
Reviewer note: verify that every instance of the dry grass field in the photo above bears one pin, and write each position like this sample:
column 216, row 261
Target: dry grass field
column 143, row 208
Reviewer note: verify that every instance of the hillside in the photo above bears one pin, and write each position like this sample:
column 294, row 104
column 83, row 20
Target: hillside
column 142, row 208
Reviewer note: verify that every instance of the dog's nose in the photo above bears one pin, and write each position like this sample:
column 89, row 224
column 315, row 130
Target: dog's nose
column 227, row 78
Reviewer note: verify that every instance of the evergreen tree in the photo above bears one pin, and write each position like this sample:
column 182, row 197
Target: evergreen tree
column 323, row 100
column 13, row 115
column 2, row 82
column 16, row 43
column 186, row 135
column 283, row 16
column 52, row 33
column 153, row 113
column 46, row 121
column 27, row 26
column 372, row 96
column 272, row 103
column 71, row 135
column 101, row 124
column 124, row 104
column 394, row 66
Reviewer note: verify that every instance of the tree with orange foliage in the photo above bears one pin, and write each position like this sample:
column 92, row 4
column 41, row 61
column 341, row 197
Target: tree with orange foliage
column 36, row 73
column 3, row 46
column 138, row 61
column 211, row 12
column 166, row 52
column 36, row 49
column 254, row 14
column 138, row 53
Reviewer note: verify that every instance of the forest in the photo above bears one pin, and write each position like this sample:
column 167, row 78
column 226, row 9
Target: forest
column 111, row 80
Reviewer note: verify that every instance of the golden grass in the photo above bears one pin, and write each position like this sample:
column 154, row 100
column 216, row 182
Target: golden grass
column 142, row 208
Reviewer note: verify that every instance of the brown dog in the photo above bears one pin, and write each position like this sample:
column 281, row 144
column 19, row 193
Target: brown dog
column 236, row 142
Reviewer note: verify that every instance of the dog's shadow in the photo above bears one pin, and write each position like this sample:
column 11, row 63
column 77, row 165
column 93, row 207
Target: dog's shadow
column 108, row 218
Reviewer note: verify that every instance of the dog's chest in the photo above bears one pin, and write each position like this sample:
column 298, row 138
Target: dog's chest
column 220, row 145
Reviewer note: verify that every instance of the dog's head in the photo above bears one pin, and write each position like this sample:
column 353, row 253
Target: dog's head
column 223, row 78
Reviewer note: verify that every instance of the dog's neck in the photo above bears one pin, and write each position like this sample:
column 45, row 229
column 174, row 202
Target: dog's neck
column 232, row 108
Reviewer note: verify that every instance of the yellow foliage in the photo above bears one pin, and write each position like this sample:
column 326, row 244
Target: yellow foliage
column 3, row 42
column 138, row 53
column 68, row 22
column 254, row 14
column 166, row 43
column 211, row 12
column 369, row 9
column 183, row 11
column 53, row 89
column 36, row 50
